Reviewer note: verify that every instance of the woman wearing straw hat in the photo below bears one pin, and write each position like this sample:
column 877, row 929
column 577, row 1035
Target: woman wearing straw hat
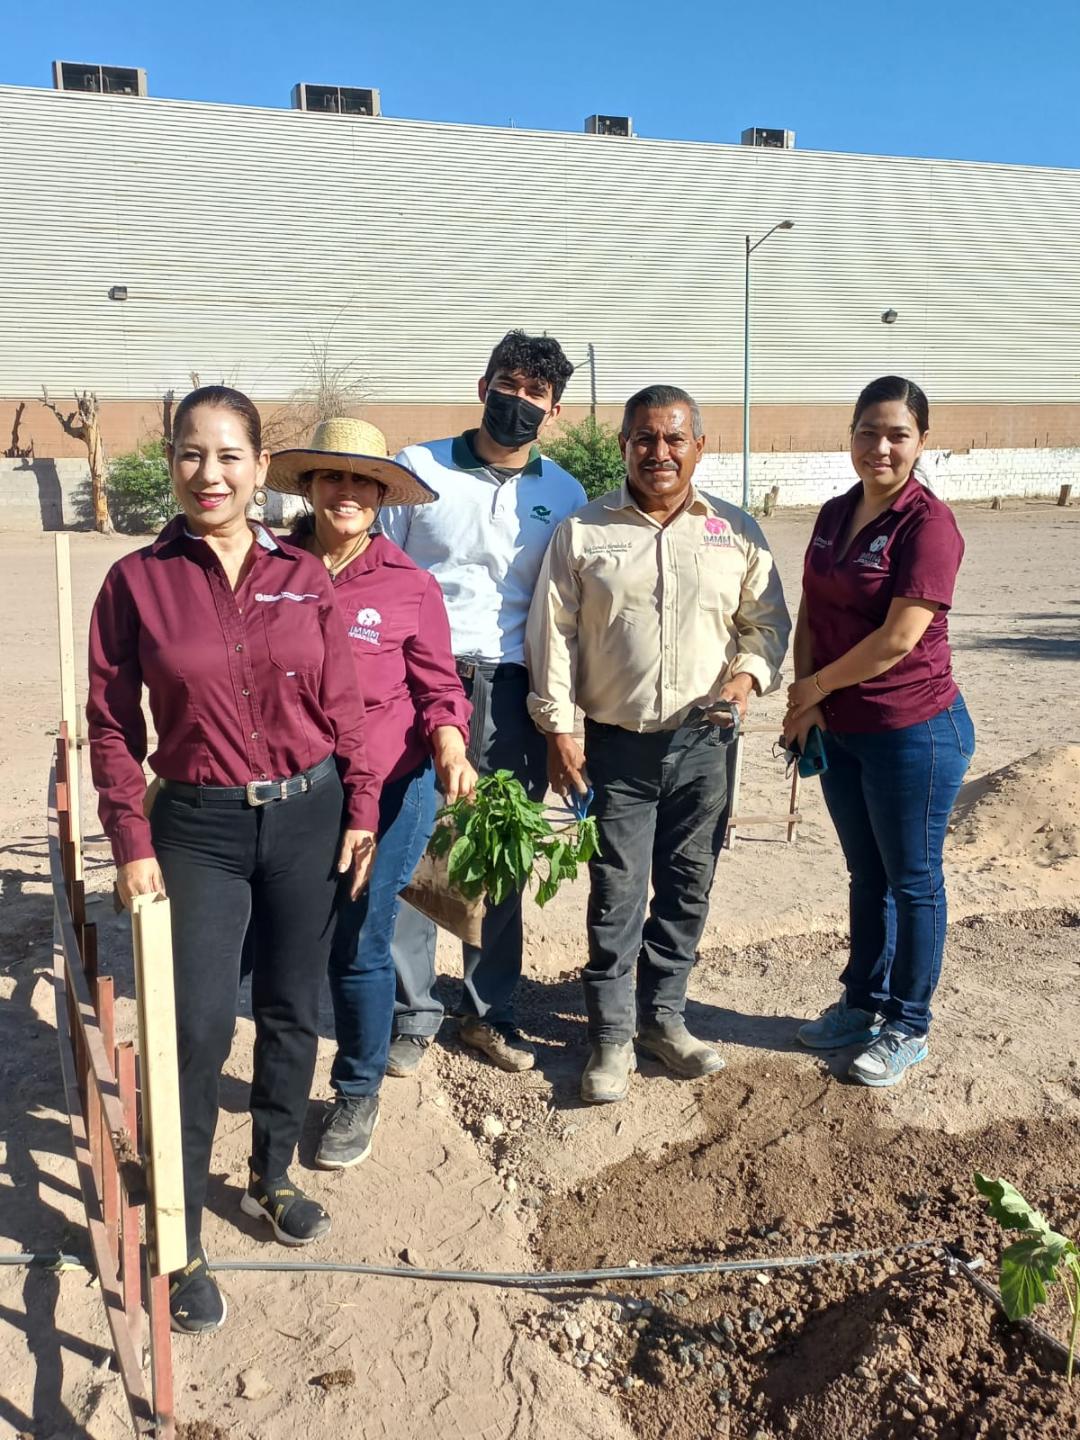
column 417, row 726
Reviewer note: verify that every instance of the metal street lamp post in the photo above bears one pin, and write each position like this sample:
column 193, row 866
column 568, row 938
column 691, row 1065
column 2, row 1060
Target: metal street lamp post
column 780, row 225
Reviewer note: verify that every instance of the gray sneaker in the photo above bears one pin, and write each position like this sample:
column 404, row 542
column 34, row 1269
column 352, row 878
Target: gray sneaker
column 841, row 1024
column 346, row 1136
column 886, row 1060
column 406, row 1053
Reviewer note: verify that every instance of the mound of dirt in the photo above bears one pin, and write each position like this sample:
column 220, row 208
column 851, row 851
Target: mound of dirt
column 1025, row 815
column 888, row 1347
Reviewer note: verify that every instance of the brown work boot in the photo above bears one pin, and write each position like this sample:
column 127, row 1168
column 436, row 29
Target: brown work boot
column 671, row 1043
column 502, row 1044
column 606, row 1077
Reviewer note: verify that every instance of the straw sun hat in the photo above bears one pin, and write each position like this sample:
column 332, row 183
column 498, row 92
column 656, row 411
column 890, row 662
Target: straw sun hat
column 355, row 446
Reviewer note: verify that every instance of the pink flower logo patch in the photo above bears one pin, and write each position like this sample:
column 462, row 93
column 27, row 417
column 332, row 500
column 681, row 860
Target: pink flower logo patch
column 713, row 526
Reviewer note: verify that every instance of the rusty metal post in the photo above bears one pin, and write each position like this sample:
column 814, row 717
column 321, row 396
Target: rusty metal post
column 130, row 1272
column 110, row 1175
column 161, row 1376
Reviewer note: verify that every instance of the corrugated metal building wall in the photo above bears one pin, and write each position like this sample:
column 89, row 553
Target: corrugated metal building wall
column 240, row 231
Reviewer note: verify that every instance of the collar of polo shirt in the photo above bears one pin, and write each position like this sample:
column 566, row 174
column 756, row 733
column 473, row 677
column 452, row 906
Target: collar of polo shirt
column 466, row 458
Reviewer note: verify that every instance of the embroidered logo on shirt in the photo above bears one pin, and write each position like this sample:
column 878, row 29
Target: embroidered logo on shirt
column 717, row 532
column 541, row 512
column 364, row 628
column 820, row 543
column 879, row 542
column 283, row 595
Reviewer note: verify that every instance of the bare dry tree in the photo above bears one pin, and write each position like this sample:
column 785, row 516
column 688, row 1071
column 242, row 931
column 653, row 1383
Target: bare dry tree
column 168, row 400
column 84, row 424
column 330, row 387
column 15, row 451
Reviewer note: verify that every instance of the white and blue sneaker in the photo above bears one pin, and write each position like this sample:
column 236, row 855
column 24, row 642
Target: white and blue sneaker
column 841, row 1024
column 884, row 1061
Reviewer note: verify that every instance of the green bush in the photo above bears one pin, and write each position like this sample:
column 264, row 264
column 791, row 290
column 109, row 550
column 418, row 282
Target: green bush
column 590, row 451
column 140, row 492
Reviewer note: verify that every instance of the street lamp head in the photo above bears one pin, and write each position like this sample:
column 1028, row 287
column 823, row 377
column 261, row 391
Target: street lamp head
column 889, row 317
column 786, row 225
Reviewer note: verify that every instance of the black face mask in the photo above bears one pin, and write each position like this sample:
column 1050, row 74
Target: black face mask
column 511, row 421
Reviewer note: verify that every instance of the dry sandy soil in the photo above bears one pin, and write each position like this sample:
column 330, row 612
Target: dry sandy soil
column 774, row 1156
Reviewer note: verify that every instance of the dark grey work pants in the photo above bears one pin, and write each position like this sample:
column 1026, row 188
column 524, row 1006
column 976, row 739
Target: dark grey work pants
column 502, row 737
column 661, row 803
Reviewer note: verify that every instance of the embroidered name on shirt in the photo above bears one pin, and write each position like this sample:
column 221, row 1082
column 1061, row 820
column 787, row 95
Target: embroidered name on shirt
column 364, row 628
column 283, row 595
column 820, row 543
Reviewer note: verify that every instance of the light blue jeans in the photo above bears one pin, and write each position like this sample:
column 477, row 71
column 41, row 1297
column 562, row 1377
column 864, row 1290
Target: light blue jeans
column 890, row 795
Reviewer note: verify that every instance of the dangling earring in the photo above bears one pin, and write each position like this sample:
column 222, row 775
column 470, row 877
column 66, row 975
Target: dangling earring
column 259, row 498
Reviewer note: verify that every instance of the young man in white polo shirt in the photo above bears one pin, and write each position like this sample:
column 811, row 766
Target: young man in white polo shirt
column 484, row 540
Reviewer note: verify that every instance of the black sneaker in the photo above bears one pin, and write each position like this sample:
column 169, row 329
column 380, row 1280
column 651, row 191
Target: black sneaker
column 195, row 1302
column 406, row 1053
column 346, row 1136
column 294, row 1218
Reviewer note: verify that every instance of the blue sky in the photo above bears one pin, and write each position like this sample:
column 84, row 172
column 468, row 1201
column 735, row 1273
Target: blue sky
column 987, row 81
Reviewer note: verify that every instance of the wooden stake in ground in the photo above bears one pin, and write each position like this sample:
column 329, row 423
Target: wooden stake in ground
column 69, row 709
column 84, row 424
column 151, row 930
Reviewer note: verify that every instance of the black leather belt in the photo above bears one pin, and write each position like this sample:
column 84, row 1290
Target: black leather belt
column 255, row 792
column 502, row 670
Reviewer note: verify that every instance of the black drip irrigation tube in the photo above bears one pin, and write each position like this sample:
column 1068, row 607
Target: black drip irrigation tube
column 567, row 1279
column 1056, row 1347
column 537, row 1280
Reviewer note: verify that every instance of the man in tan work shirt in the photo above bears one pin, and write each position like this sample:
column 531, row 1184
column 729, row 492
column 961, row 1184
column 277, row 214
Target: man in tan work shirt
column 655, row 604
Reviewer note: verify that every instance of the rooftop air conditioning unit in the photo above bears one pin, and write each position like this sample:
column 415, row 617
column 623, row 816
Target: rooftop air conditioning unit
column 98, row 79
column 609, row 125
column 336, row 100
column 769, row 139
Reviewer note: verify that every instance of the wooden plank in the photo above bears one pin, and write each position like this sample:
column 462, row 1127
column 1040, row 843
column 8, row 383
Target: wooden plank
column 151, row 928
column 127, row 1358
column 69, row 707
column 130, row 1265
column 736, row 788
column 793, row 803
column 791, row 819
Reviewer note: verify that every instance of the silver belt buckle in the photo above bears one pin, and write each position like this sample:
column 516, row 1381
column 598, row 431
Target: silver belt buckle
column 254, row 799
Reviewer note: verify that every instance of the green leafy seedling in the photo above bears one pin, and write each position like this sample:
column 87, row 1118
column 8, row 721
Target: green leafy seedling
column 1039, row 1258
column 498, row 841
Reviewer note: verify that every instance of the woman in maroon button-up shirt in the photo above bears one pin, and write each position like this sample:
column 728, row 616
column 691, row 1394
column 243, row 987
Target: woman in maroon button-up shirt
column 239, row 644
column 874, row 672
column 418, row 724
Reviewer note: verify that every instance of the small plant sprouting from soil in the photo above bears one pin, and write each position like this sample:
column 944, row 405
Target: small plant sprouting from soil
column 1040, row 1257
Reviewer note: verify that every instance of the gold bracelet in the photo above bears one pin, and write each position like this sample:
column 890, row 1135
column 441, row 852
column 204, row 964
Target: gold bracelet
column 817, row 685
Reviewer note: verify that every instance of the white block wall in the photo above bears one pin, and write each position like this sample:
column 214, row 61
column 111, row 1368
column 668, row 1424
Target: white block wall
column 810, row 479
column 53, row 494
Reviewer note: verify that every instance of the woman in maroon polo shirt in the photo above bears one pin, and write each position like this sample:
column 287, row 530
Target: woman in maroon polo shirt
column 873, row 670
column 253, row 693
column 418, row 718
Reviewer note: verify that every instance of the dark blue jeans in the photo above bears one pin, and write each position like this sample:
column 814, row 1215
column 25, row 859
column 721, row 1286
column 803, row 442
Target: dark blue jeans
column 362, row 978
column 890, row 796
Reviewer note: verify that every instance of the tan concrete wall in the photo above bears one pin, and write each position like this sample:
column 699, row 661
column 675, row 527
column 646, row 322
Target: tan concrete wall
column 802, row 428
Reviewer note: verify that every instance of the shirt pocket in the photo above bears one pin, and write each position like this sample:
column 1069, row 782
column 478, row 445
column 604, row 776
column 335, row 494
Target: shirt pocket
column 719, row 579
column 294, row 639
